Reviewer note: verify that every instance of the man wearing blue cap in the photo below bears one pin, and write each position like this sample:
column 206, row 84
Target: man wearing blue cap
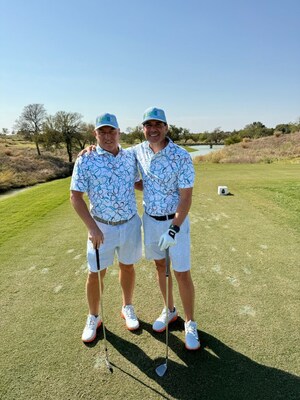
column 108, row 176
column 168, row 177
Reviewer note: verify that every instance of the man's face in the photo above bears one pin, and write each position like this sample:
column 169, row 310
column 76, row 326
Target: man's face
column 155, row 131
column 108, row 138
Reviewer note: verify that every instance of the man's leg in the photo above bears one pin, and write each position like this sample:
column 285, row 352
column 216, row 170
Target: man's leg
column 127, row 282
column 92, row 291
column 187, row 293
column 93, row 297
column 161, row 277
column 159, row 324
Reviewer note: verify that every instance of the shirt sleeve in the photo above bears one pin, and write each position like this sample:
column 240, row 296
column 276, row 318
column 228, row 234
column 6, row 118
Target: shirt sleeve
column 132, row 152
column 187, row 173
column 79, row 181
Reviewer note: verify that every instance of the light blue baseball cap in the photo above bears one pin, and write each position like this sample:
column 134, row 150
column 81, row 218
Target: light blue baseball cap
column 154, row 113
column 106, row 120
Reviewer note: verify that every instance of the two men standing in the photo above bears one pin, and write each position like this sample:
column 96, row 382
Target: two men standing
column 168, row 176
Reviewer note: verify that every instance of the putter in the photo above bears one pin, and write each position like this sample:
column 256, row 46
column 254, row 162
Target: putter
column 109, row 367
column 161, row 369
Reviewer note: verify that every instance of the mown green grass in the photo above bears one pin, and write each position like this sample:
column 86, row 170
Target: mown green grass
column 19, row 213
column 245, row 263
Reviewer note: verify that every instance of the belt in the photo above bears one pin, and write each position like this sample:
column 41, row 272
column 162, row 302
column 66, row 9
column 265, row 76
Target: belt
column 112, row 222
column 162, row 217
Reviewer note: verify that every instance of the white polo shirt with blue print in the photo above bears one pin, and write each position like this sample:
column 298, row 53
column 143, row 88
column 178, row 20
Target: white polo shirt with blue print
column 108, row 181
column 163, row 174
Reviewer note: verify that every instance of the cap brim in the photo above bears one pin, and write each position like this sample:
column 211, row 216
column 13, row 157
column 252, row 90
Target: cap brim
column 154, row 119
column 100, row 126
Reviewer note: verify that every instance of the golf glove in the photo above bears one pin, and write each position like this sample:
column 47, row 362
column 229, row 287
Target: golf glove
column 168, row 239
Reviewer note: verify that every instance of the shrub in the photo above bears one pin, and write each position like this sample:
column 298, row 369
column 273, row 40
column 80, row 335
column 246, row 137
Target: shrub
column 6, row 177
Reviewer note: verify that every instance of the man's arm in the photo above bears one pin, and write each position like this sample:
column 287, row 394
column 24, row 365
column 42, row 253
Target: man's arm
column 168, row 238
column 184, row 206
column 95, row 234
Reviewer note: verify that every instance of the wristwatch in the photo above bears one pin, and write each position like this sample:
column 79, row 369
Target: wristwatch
column 175, row 228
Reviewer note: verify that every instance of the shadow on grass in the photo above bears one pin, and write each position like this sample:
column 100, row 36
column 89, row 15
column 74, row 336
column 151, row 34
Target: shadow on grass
column 214, row 372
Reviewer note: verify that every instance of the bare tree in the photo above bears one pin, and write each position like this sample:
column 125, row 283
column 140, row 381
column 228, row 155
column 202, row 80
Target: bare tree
column 30, row 123
column 86, row 135
column 64, row 127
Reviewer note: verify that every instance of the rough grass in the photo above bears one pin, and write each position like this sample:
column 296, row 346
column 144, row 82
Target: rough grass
column 245, row 259
column 264, row 150
column 20, row 166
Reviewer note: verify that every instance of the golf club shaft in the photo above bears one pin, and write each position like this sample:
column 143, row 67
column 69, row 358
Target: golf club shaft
column 101, row 308
column 167, row 302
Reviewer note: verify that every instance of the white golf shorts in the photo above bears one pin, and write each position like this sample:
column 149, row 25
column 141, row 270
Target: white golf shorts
column 179, row 253
column 125, row 240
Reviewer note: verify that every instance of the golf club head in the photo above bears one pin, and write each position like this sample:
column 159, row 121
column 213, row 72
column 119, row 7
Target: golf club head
column 161, row 369
column 109, row 367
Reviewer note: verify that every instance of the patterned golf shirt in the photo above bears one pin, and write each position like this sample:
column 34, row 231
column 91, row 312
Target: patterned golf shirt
column 109, row 183
column 164, row 173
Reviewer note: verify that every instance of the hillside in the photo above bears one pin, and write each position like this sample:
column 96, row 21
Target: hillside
column 20, row 166
column 264, row 150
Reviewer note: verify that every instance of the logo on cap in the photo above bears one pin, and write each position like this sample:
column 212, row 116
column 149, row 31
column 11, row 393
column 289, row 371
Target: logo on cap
column 154, row 113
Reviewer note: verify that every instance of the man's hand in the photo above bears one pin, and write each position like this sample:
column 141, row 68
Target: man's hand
column 96, row 237
column 88, row 150
column 168, row 239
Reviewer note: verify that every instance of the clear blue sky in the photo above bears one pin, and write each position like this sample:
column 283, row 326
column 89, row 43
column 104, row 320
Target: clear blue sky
column 216, row 63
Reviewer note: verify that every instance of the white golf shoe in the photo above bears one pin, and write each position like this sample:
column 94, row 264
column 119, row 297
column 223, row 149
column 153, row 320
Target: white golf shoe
column 160, row 324
column 90, row 330
column 191, row 336
column 132, row 323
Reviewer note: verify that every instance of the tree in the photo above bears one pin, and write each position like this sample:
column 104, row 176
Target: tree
column 232, row 139
column 86, row 135
column 127, row 138
column 138, row 133
column 295, row 126
column 64, row 127
column 217, row 135
column 30, row 123
column 256, row 130
column 185, row 134
column 283, row 128
column 174, row 132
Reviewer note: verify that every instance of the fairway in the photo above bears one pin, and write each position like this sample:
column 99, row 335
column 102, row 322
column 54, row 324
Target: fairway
column 245, row 266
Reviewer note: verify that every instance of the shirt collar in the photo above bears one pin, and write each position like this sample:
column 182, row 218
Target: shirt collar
column 102, row 151
column 165, row 149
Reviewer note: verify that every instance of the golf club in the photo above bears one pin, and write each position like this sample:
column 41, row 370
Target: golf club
column 101, row 310
column 161, row 369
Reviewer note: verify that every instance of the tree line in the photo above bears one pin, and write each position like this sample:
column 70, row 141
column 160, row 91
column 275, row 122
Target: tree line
column 254, row 130
column 67, row 129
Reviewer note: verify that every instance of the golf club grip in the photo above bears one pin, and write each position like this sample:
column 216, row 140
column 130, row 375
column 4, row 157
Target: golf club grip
column 97, row 259
column 167, row 262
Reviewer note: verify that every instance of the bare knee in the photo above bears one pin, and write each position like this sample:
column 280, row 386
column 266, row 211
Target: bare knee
column 126, row 267
column 160, row 265
column 92, row 277
column 183, row 277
